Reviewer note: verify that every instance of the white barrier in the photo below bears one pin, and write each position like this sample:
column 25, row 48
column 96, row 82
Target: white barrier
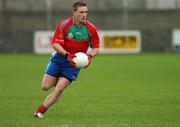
column 176, row 40
column 110, row 42
column 42, row 42
column 120, row 41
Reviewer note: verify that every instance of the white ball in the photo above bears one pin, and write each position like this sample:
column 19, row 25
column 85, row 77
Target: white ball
column 81, row 60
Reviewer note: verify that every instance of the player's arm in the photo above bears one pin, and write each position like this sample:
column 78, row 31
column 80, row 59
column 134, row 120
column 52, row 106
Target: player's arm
column 94, row 52
column 58, row 41
column 95, row 46
column 57, row 47
column 95, row 43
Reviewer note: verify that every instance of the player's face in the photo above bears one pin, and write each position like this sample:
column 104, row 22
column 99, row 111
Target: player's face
column 81, row 14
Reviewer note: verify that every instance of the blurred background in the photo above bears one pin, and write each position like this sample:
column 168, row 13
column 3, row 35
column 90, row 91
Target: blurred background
column 155, row 19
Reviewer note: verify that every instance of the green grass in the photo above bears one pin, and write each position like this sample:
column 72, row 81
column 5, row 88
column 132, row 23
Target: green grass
column 115, row 91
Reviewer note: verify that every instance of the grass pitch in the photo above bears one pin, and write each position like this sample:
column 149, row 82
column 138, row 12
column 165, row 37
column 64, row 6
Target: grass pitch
column 115, row 91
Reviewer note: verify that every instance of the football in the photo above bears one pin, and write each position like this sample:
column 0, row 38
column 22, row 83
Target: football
column 81, row 60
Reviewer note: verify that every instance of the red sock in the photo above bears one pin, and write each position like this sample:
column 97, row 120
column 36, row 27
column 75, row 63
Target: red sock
column 41, row 109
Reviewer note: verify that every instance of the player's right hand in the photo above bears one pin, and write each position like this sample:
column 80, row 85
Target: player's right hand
column 70, row 58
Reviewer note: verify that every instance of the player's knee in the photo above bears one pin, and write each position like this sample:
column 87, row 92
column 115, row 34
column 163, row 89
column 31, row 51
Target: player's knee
column 44, row 87
column 59, row 91
column 48, row 82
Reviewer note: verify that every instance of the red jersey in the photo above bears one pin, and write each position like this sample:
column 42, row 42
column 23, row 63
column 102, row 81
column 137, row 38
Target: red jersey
column 74, row 38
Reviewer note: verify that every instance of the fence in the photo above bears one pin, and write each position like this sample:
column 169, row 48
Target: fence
column 19, row 21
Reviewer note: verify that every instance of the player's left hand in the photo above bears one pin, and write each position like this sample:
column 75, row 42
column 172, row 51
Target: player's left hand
column 89, row 58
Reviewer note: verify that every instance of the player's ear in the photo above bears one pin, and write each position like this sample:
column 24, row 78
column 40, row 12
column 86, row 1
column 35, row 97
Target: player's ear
column 73, row 12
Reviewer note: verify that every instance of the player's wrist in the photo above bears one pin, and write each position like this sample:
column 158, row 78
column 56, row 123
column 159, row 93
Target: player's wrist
column 90, row 56
column 66, row 55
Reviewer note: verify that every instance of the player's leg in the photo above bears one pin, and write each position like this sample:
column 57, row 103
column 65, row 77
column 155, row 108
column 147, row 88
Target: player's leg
column 51, row 74
column 62, row 83
column 48, row 82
